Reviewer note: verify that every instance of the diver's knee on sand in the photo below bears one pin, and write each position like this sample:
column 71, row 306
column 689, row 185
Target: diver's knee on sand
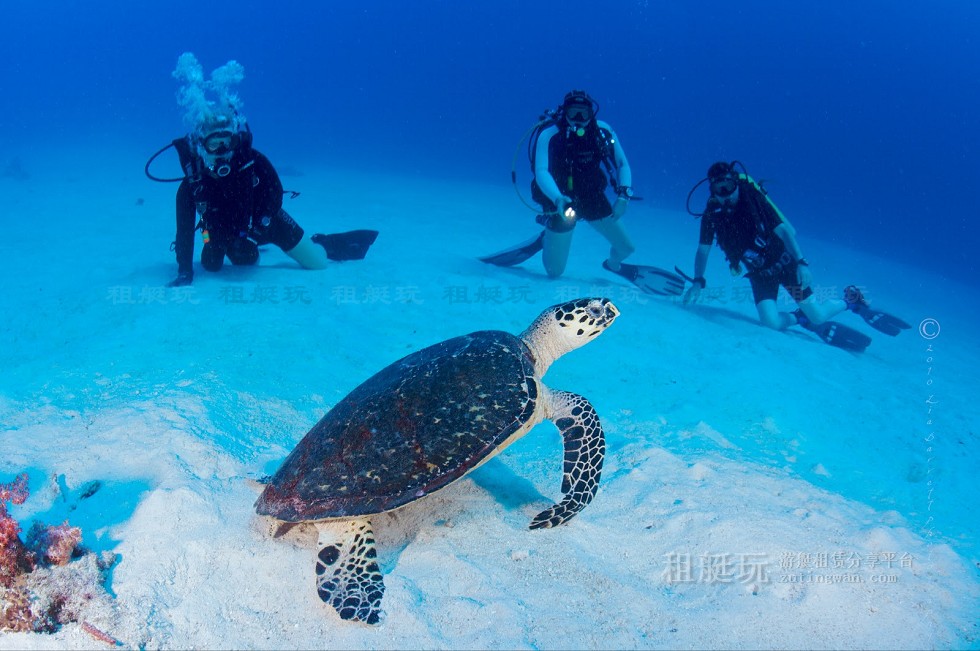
column 771, row 317
column 243, row 252
column 212, row 257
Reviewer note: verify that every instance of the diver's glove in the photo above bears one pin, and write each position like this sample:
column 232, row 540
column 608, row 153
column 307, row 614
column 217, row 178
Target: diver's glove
column 183, row 278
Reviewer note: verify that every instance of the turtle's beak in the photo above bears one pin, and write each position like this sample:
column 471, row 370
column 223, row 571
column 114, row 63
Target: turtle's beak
column 603, row 311
column 611, row 310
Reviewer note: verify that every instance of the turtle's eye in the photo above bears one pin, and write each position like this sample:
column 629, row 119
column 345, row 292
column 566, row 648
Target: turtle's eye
column 596, row 311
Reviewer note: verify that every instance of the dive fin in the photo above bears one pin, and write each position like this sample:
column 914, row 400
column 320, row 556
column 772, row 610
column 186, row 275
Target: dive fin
column 352, row 245
column 880, row 321
column 836, row 334
column 516, row 254
column 652, row 280
column 683, row 275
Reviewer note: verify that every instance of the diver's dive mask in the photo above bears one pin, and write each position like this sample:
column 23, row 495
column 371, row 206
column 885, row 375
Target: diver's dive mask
column 723, row 187
column 579, row 110
column 579, row 115
column 217, row 149
column 221, row 142
column 723, row 181
column 724, row 196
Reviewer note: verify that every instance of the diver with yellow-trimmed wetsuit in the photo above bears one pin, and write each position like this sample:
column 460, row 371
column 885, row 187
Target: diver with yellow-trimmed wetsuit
column 760, row 243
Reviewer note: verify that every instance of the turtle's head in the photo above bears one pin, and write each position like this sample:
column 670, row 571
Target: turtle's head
column 567, row 326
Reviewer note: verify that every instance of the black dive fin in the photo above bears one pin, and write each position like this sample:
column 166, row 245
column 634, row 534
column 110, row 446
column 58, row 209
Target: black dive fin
column 652, row 280
column 841, row 336
column 516, row 254
column 352, row 245
column 881, row 321
column 836, row 334
column 682, row 274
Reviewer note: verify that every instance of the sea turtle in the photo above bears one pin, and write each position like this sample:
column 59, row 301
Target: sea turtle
column 424, row 422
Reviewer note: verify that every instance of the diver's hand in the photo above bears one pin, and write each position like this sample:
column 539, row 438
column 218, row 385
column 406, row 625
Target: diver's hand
column 619, row 208
column 563, row 204
column 692, row 294
column 803, row 276
column 183, row 278
column 566, row 217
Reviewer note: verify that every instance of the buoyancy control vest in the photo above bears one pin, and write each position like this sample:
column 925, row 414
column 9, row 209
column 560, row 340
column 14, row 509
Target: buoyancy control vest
column 745, row 232
column 579, row 152
column 224, row 204
column 576, row 162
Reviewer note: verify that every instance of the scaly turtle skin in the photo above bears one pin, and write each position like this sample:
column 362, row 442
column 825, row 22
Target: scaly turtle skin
column 424, row 422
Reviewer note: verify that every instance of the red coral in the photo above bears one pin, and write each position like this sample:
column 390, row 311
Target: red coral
column 16, row 492
column 14, row 559
column 15, row 610
column 54, row 545
column 39, row 589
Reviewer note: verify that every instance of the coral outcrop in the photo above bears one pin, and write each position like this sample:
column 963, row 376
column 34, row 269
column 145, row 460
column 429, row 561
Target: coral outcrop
column 51, row 579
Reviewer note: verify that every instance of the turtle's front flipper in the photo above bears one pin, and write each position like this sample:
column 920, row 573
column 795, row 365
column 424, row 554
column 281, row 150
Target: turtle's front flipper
column 585, row 446
column 347, row 573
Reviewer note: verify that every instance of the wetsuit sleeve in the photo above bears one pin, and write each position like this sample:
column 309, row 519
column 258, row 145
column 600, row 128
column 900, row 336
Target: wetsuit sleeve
column 624, row 174
column 184, row 241
column 707, row 231
column 268, row 200
column 542, row 176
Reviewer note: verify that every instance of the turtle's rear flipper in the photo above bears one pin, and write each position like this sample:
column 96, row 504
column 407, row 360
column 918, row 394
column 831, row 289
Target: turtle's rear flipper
column 347, row 574
column 585, row 447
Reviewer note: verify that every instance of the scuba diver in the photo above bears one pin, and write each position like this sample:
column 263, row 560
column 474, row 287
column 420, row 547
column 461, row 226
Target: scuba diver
column 758, row 240
column 234, row 188
column 575, row 157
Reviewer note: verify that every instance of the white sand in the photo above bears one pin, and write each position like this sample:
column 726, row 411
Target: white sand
column 735, row 454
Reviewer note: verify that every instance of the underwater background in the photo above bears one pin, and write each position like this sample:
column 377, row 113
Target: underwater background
column 861, row 116
column 723, row 437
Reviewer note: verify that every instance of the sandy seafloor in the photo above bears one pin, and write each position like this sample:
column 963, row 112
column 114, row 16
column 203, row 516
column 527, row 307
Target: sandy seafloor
column 761, row 489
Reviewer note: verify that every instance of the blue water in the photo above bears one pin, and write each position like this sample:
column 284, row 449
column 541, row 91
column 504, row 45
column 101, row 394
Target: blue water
column 861, row 116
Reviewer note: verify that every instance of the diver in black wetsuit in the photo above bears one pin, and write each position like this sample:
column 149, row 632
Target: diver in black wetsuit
column 758, row 240
column 233, row 187
column 238, row 195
